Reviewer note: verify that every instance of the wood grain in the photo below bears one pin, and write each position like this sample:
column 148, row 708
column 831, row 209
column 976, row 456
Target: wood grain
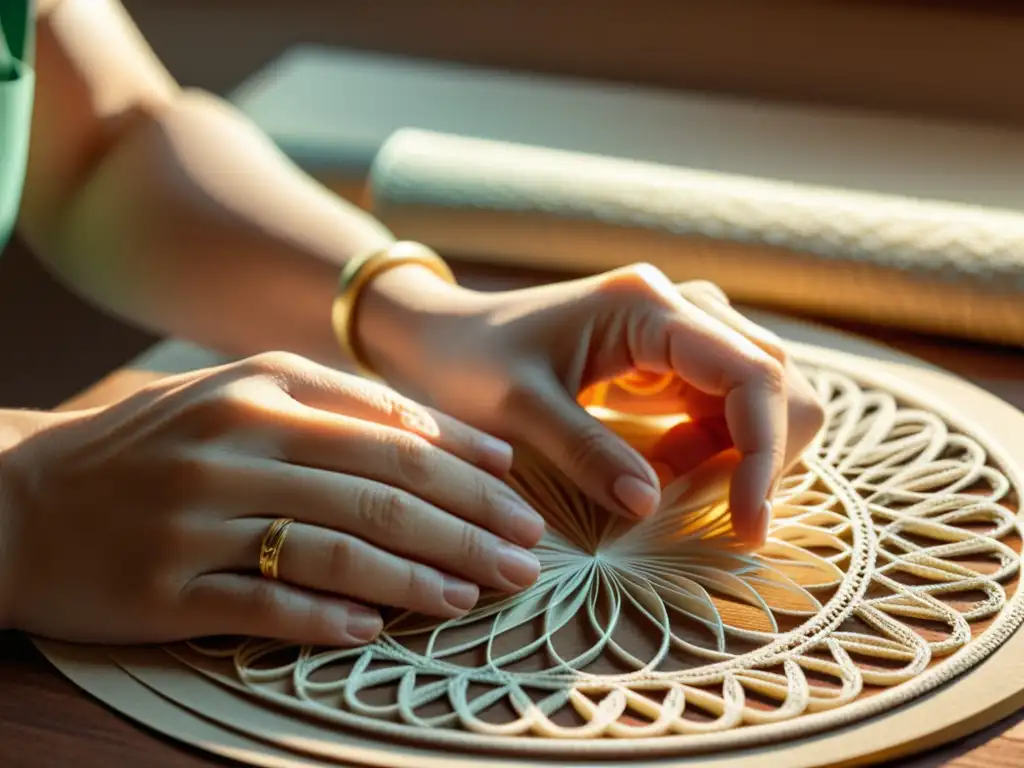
column 46, row 721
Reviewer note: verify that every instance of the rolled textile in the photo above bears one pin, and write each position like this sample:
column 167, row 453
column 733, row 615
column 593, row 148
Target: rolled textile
column 927, row 266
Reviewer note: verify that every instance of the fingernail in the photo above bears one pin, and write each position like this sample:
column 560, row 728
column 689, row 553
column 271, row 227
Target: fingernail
column 362, row 624
column 519, row 567
column 524, row 525
column 460, row 595
column 638, row 497
column 497, row 454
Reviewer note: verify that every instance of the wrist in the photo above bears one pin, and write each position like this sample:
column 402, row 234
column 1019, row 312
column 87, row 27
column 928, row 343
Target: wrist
column 402, row 311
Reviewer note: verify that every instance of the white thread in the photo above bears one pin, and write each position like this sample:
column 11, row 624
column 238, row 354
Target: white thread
column 872, row 528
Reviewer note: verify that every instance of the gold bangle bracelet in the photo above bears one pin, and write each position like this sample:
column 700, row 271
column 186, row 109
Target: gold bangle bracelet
column 358, row 273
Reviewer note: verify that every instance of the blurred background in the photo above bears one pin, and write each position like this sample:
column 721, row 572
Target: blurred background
column 930, row 59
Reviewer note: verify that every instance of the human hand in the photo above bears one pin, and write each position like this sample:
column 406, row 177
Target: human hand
column 143, row 521
column 513, row 364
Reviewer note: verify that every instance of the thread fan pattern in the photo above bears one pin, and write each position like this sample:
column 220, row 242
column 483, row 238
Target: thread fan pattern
column 891, row 566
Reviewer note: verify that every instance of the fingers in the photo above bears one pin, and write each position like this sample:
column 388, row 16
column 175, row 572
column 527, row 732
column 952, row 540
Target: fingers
column 664, row 332
column 589, row 454
column 718, row 360
column 233, row 604
column 806, row 418
column 410, row 463
column 714, row 302
column 330, row 562
column 686, row 446
column 805, row 415
column 438, row 459
column 393, row 520
column 320, row 390
column 755, row 411
column 695, row 290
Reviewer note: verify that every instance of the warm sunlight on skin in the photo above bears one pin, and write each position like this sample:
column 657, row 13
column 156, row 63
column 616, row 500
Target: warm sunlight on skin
column 650, row 411
column 171, row 210
column 418, row 420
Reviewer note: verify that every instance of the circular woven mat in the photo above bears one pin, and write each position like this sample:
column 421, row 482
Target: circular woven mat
column 879, row 618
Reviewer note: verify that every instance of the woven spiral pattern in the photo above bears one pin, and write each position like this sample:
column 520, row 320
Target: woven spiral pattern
column 891, row 566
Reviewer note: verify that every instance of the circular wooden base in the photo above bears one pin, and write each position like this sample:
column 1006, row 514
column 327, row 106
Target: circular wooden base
column 150, row 686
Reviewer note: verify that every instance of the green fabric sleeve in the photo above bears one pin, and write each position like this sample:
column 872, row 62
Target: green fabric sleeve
column 17, row 87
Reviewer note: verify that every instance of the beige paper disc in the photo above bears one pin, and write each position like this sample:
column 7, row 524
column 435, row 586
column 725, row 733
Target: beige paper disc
column 879, row 620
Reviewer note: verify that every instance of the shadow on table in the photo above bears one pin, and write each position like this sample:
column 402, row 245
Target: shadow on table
column 51, row 343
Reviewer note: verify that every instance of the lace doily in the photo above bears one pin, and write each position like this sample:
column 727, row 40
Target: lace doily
column 891, row 567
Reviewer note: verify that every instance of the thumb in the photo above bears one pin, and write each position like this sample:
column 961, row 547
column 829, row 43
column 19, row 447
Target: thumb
column 594, row 458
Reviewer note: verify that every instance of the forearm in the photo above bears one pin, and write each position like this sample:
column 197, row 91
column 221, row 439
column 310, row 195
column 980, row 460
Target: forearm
column 194, row 225
column 170, row 209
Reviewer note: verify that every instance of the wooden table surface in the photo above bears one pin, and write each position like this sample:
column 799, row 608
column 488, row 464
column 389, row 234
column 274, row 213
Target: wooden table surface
column 47, row 721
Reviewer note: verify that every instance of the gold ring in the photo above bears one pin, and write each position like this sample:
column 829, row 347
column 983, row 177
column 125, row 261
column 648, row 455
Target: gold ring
column 270, row 549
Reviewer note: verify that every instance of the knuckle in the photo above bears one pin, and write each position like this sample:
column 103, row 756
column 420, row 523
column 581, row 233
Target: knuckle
column 640, row 277
column 644, row 272
column 774, row 348
column 378, row 398
column 473, row 545
column 271, row 363
column 341, row 557
column 778, row 352
column 586, row 448
column 770, row 374
column 415, row 418
column 223, row 410
column 268, row 601
column 807, row 413
column 483, row 495
column 423, row 588
column 291, row 613
column 414, row 460
column 703, row 288
column 490, row 501
column 382, row 512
